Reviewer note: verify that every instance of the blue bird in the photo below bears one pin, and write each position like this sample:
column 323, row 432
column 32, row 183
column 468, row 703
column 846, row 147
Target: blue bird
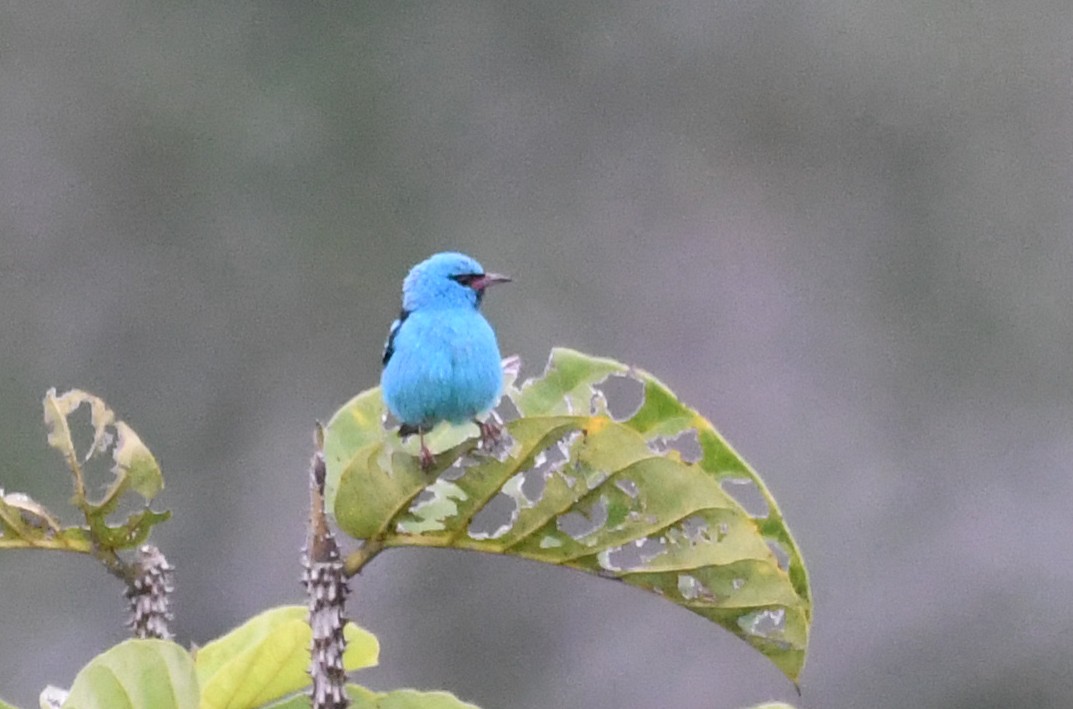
column 441, row 360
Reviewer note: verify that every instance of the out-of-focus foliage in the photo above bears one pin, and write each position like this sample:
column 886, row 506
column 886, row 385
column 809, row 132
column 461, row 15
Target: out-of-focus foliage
column 137, row 674
column 262, row 662
column 26, row 524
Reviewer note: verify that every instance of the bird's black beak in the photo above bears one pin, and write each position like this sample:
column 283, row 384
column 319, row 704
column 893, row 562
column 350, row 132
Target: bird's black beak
column 487, row 279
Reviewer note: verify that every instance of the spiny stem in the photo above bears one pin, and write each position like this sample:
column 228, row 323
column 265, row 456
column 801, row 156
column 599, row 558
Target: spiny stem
column 149, row 592
column 327, row 591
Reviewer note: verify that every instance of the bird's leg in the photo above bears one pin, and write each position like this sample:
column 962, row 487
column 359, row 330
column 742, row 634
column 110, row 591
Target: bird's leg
column 427, row 459
column 490, row 432
column 406, row 430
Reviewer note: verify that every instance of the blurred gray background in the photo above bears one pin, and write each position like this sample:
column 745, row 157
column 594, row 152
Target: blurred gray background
column 842, row 229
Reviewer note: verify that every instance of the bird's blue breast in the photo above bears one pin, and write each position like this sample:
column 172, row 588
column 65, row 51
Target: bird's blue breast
column 444, row 366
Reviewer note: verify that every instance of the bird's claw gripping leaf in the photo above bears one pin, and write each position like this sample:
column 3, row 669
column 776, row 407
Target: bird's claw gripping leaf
column 491, row 433
column 427, row 459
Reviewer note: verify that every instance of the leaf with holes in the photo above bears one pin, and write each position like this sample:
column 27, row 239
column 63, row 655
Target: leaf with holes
column 135, row 467
column 24, row 523
column 654, row 497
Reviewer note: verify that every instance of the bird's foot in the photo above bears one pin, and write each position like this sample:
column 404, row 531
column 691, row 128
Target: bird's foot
column 491, row 433
column 427, row 459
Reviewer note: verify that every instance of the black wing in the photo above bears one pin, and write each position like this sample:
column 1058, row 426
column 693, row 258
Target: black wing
column 389, row 346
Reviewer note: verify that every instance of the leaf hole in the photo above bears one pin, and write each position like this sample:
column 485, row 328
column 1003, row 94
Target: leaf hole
column 80, row 423
column 721, row 531
column 629, row 487
column 632, row 556
column 747, row 494
column 423, row 498
column 546, row 463
column 431, row 508
column 769, row 623
column 581, row 523
column 561, row 468
column 94, row 460
column 507, row 410
column 461, row 465
column 693, row 589
column 692, row 530
column 31, row 515
column 620, row 395
column 566, row 444
column 458, row 469
column 549, row 541
column 686, row 444
column 782, row 557
column 496, row 518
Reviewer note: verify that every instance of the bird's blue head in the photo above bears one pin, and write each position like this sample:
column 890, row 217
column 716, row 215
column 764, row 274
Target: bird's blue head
column 446, row 280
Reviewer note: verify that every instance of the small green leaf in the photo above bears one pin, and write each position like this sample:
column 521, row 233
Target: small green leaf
column 267, row 657
column 134, row 460
column 136, row 674
column 5, row 705
column 362, row 698
column 614, row 498
column 26, row 524
column 130, row 533
column 135, row 469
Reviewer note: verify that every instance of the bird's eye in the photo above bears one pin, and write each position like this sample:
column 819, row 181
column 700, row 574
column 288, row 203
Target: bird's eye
column 466, row 278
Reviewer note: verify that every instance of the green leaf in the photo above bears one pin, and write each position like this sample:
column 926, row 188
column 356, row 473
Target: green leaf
column 267, row 657
column 578, row 488
column 5, row 705
column 133, row 459
column 26, row 524
column 362, row 698
column 135, row 467
column 137, row 674
column 354, row 426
